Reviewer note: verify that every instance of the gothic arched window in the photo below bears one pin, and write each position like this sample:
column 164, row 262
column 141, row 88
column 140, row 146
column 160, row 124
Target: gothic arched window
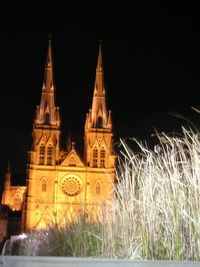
column 103, row 152
column 49, row 154
column 47, row 118
column 95, row 156
column 42, row 154
column 102, row 163
column 98, row 188
column 99, row 122
column 95, row 153
column 44, row 185
column 102, row 157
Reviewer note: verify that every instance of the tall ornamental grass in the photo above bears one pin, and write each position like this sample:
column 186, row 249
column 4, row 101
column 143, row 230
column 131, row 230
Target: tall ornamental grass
column 77, row 239
column 155, row 213
column 157, row 205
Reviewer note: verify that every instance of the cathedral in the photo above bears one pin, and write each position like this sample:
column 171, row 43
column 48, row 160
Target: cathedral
column 60, row 184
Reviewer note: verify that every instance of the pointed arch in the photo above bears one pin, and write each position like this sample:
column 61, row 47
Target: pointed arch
column 95, row 152
column 41, row 154
column 103, row 152
column 102, row 157
column 98, row 187
column 99, row 122
column 95, row 157
column 47, row 118
column 49, row 154
column 43, row 184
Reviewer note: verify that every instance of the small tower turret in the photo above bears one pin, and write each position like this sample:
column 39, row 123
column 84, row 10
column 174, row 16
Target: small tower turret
column 7, row 185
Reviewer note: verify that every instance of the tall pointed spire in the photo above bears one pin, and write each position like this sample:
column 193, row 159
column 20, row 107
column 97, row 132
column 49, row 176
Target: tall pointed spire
column 48, row 76
column 99, row 88
column 100, row 60
column 47, row 113
column 99, row 116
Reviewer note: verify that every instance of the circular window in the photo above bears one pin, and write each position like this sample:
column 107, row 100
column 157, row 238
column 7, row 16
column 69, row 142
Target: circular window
column 71, row 185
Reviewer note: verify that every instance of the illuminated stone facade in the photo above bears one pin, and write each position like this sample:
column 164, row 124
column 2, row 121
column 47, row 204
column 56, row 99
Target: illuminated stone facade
column 13, row 195
column 61, row 185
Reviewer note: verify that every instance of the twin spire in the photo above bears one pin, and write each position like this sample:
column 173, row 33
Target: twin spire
column 98, row 115
column 47, row 114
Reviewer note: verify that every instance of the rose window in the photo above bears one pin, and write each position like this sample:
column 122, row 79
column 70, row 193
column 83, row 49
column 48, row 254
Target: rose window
column 71, row 186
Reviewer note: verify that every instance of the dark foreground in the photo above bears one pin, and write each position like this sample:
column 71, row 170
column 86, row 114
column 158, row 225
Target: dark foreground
column 24, row 261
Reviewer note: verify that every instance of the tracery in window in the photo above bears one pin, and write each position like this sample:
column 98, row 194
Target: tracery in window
column 95, row 157
column 102, row 163
column 103, row 152
column 49, row 154
column 41, row 154
column 71, row 185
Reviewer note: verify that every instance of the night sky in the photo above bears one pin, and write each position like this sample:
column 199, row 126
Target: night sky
column 151, row 64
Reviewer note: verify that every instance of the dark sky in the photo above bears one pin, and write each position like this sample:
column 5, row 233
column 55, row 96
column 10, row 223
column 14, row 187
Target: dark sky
column 151, row 62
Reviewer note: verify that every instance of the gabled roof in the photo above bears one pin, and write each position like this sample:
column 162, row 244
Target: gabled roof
column 72, row 159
